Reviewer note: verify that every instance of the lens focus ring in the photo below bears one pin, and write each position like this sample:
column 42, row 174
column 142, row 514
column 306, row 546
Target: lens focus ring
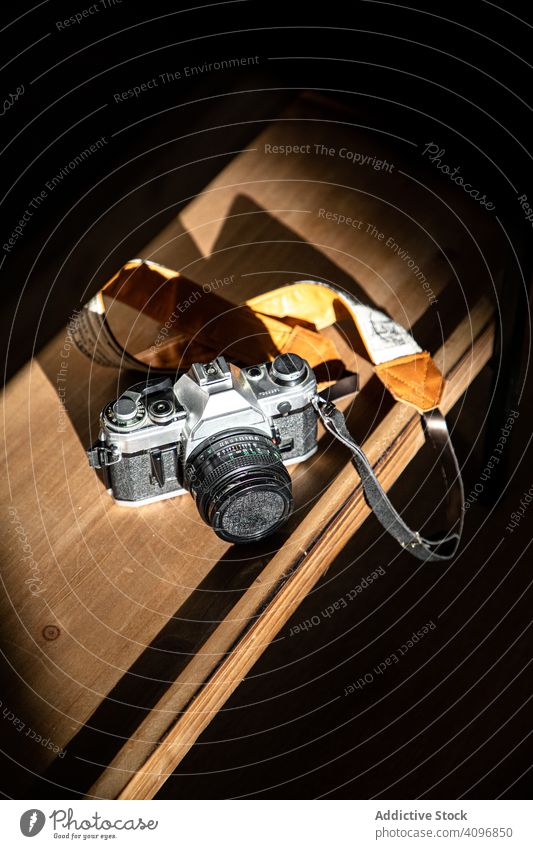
column 241, row 487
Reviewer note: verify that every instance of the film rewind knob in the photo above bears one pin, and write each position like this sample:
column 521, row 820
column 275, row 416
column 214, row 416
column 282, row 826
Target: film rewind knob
column 125, row 409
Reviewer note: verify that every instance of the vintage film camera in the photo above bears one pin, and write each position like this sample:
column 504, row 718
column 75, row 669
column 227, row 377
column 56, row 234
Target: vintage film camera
column 222, row 433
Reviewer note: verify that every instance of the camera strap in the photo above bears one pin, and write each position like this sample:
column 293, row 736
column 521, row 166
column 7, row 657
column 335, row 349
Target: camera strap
column 442, row 547
column 197, row 323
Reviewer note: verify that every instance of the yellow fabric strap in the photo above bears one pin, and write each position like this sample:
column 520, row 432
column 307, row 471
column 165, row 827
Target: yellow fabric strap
column 199, row 323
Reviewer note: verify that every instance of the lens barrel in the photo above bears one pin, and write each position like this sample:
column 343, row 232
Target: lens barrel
column 241, row 487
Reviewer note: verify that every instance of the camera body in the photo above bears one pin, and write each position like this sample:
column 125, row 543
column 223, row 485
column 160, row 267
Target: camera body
column 222, row 433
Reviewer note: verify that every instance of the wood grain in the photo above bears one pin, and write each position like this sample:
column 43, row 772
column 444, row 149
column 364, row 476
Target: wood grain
column 339, row 513
column 465, row 359
column 112, row 580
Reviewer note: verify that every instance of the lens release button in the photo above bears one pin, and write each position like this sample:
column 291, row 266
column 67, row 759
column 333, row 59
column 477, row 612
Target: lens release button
column 284, row 408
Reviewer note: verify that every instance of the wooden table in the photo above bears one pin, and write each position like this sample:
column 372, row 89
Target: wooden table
column 125, row 631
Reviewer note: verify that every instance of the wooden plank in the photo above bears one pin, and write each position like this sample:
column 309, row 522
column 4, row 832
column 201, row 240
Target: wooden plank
column 148, row 734
column 103, row 584
column 112, row 580
column 340, row 512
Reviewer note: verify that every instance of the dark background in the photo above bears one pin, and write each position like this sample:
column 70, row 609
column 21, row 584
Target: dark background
column 460, row 72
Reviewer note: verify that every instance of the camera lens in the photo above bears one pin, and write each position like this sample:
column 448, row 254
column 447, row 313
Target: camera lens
column 241, row 487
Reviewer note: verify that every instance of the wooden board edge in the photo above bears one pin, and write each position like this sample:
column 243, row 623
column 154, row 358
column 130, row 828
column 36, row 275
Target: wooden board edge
column 146, row 782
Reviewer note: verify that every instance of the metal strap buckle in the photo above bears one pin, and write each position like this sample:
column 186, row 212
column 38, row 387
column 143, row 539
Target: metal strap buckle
column 101, row 455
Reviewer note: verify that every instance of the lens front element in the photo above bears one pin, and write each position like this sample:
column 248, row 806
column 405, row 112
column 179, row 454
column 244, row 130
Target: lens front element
column 241, row 487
